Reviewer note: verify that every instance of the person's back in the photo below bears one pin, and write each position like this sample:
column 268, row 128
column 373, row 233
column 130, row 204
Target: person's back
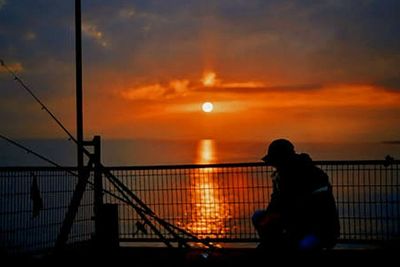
column 303, row 199
column 308, row 206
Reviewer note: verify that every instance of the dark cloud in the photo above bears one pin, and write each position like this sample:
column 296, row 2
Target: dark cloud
column 38, row 35
column 390, row 83
column 335, row 41
column 50, row 22
column 325, row 41
column 362, row 44
column 261, row 89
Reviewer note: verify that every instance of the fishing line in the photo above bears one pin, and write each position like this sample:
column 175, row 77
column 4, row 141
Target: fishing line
column 43, row 106
column 30, row 151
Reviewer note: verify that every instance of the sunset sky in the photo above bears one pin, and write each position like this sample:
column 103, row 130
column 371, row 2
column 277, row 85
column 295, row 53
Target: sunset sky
column 325, row 70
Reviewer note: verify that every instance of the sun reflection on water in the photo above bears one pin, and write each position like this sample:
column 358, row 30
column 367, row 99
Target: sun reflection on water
column 210, row 212
column 205, row 153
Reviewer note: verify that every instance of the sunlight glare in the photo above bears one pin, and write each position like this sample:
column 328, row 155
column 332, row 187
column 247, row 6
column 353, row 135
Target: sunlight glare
column 207, row 107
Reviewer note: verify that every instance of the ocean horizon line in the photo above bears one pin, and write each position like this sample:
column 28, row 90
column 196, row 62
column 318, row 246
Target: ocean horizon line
column 145, row 152
column 266, row 141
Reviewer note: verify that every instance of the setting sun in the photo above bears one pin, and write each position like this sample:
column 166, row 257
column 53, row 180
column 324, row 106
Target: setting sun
column 207, row 107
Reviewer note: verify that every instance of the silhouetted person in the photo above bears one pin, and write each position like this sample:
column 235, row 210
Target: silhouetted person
column 302, row 214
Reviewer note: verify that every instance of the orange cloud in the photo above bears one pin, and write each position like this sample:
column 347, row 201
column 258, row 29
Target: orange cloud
column 331, row 96
column 180, row 87
column 157, row 91
column 149, row 92
column 243, row 85
column 183, row 87
column 209, row 79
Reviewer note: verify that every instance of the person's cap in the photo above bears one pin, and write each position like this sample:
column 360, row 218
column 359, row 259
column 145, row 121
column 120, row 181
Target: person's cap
column 278, row 149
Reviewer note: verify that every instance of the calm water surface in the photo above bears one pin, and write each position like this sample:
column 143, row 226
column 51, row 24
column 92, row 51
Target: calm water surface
column 163, row 152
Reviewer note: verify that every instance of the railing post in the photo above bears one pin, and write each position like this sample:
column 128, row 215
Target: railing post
column 106, row 215
column 98, row 182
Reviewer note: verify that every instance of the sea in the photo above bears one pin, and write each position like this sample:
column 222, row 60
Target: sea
column 144, row 152
column 208, row 208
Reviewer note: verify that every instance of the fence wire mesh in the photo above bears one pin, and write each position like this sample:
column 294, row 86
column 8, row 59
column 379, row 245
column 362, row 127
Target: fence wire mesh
column 213, row 202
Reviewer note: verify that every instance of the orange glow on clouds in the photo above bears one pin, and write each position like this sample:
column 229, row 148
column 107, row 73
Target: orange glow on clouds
column 328, row 97
column 252, row 109
column 243, row 85
column 209, row 79
column 157, row 91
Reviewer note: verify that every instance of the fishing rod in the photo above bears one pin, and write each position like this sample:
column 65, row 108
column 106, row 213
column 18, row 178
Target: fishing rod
column 109, row 175
column 142, row 209
column 43, row 106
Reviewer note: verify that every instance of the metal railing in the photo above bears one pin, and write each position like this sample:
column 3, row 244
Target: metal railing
column 21, row 230
column 214, row 202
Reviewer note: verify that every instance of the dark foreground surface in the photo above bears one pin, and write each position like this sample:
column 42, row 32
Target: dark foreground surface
column 198, row 257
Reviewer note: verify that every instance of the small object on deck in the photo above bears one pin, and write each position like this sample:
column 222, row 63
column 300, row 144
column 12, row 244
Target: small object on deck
column 37, row 201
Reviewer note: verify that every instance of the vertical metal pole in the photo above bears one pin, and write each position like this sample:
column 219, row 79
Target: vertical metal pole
column 83, row 176
column 78, row 54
